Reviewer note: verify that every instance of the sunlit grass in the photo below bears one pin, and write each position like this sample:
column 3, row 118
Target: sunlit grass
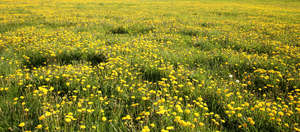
column 95, row 65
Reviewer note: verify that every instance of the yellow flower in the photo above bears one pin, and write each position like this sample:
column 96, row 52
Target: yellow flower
column 126, row 117
column 187, row 111
column 251, row 121
column 163, row 130
column 42, row 117
column 201, row 124
column 82, row 127
column 146, row 129
column 147, row 113
column 170, row 128
column 104, row 118
column 68, row 120
column 152, row 125
column 39, row 126
column 239, row 115
column 22, row 124
column 48, row 113
column 281, row 113
column 67, row 84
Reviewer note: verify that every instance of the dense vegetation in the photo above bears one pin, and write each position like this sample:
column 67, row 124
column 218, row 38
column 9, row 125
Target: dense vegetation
column 149, row 65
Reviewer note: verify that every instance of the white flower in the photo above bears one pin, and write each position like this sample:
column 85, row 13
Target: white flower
column 230, row 76
column 237, row 81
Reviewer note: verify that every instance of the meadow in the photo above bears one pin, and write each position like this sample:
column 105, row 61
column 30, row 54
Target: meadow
column 149, row 65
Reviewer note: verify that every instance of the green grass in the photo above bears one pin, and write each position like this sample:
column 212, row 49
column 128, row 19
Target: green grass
column 184, row 65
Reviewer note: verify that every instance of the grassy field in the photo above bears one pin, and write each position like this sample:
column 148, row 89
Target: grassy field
column 149, row 65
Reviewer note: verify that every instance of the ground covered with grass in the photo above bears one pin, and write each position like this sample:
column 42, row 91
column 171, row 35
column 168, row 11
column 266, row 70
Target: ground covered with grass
column 149, row 65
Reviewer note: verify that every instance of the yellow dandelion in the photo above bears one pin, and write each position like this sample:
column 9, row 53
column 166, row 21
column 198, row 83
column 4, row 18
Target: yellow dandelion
column 22, row 124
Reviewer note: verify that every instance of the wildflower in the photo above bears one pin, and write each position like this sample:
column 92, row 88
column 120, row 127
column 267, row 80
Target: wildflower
column 127, row 117
column 239, row 115
column 163, row 130
column 146, row 129
column 22, row 124
column 39, row 126
column 147, row 113
column 42, row 117
column 170, row 128
column 82, row 126
column 48, row 114
column 187, row 111
column 201, row 124
column 251, row 121
column 281, row 113
column 152, row 125
column 68, row 120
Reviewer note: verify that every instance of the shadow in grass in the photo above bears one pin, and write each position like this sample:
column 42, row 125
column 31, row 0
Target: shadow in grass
column 10, row 115
column 5, row 69
column 214, row 104
column 112, row 41
column 206, row 45
column 152, row 75
column 254, row 48
column 189, row 32
column 60, row 86
column 145, row 30
column 241, row 68
column 13, row 26
column 68, row 57
column 95, row 58
column 118, row 30
column 212, row 62
column 283, row 90
column 205, row 24
column 231, row 44
column 57, row 25
column 18, row 10
column 229, row 14
column 141, row 29
column 37, row 60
